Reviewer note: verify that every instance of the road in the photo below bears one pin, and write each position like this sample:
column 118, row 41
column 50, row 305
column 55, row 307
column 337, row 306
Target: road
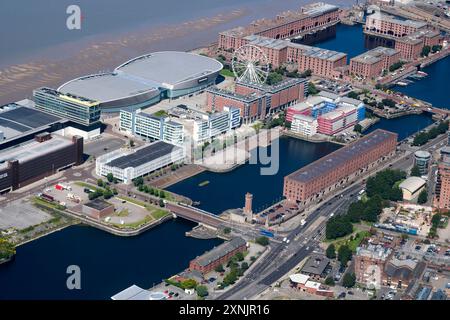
column 284, row 257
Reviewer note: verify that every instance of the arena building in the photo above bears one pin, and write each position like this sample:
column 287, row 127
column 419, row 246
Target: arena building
column 34, row 160
column 126, row 165
column 145, row 80
column 339, row 167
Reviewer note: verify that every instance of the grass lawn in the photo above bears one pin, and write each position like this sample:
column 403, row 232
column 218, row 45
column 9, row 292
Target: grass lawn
column 134, row 225
column 88, row 185
column 123, row 213
column 352, row 244
column 227, row 73
column 156, row 212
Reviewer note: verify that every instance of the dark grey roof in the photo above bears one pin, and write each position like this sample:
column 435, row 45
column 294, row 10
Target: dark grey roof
column 404, row 271
column 316, row 264
column 220, row 251
column 143, row 155
column 439, row 295
column 341, row 156
column 23, row 119
column 98, row 204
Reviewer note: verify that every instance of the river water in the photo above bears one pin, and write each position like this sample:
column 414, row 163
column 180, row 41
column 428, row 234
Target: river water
column 109, row 263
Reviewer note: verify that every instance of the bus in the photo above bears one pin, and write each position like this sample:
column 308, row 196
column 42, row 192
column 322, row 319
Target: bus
column 266, row 233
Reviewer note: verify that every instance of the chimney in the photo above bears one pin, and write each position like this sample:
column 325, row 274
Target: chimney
column 248, row 203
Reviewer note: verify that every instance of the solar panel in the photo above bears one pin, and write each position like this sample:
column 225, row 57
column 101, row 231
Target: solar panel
column 144, row 155
column 12, row 125
column 29, row 117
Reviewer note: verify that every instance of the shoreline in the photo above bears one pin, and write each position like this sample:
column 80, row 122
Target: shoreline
column 102, row 52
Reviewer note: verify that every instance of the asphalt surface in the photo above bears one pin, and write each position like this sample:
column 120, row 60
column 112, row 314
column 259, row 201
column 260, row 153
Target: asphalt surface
column 284, row 257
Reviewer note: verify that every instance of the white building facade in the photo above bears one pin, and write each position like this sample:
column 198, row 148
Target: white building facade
column 127, row 165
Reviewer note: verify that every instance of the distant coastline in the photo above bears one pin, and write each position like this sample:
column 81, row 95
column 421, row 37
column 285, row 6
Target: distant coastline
column 103, row 52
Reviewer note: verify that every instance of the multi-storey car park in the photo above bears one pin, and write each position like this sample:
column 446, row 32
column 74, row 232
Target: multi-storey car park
column 146, row 80
column 334, row 170
column 35, row 159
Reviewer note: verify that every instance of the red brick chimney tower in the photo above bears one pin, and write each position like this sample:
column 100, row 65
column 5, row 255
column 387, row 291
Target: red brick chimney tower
column 248, row 203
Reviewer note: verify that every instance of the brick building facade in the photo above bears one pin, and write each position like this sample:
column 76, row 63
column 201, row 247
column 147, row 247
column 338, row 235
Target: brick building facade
column 339, row 167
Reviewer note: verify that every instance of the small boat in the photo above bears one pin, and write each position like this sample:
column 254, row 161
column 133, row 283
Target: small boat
column 402, row 83
column 422, row 73
column 196, row 203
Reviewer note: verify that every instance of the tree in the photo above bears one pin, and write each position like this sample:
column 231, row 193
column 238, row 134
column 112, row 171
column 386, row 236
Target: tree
column 138, row 181
column 436, row 48
column 353, row 95
column 415, row 171
column 274, row 78
column 425, row 51
column 161, row 203
column 239, row 256
column 423, row 197
column 110, row 177
column 244, row 265
column 344, row 254
column 188, row 284
column 337, row 227
column 100, row 182
column 331, row 252
column 162, row 194
column 329, row 281
column 131, row 143
column 107, row 194
column 307, row 73
column 312, row 90
column 349, row 280
column 219, row 268
column 202, row 291
column 227, row 230
column 264, row 241
column 358, row 128
column 7, row 249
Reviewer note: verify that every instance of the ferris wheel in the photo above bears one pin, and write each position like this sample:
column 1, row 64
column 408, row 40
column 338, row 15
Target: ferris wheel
column 250, row 64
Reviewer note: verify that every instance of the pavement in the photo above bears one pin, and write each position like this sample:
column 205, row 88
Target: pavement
column 283, row 257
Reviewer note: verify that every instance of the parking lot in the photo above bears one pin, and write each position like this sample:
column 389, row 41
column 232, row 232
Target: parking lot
column 102, row 145
column 21, row 214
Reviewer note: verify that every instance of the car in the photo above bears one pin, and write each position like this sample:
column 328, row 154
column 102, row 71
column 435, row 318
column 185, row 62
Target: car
column 176, row 294
column 350, row 292
column 342, row 295
column 418, row 248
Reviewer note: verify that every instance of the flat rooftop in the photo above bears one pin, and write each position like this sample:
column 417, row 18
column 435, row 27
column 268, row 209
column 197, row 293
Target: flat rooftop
column 392, row 19
column 375, row 55
column 33, row 149
column 98, row 204
column 244, row 98
column 283, row 18
column 16, row 120
column 324, row 54
column 339, row 157
column 220, row 251
column 143, row 155
column 316, row 264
